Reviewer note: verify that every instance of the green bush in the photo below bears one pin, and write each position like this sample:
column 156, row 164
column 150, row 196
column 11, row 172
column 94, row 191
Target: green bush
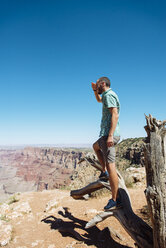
column 13, row 199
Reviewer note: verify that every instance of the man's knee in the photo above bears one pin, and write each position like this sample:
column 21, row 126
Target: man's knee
column 96, row 146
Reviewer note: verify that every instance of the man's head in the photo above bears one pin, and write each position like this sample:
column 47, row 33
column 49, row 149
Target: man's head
column 103, row 84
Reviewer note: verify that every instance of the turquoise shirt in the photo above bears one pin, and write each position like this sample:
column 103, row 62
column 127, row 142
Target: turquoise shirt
column 109, row 99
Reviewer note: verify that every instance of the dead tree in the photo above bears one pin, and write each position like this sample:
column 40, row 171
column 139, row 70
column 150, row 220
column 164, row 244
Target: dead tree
column 155, row 164
column 155, row 156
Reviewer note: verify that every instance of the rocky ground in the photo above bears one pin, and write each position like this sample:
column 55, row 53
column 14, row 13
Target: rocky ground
column 52, row 219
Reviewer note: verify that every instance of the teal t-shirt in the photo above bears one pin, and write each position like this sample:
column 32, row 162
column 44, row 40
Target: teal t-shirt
column 109, row 99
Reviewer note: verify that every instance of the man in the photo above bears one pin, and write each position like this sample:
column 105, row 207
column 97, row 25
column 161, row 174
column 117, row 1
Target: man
column 104, row 147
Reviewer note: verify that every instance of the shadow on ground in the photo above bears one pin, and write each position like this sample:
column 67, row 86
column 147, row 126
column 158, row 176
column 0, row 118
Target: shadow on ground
column 92, row 236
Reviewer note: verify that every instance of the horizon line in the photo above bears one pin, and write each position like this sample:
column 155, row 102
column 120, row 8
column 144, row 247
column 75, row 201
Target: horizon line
column 58, row 144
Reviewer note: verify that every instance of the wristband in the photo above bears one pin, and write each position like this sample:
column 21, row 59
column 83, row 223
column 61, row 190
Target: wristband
column 94, row 90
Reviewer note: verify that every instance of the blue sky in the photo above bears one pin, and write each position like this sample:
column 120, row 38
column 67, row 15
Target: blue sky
column 51, row 51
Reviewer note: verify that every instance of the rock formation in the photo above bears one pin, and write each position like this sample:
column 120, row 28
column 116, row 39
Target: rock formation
column 35, row 169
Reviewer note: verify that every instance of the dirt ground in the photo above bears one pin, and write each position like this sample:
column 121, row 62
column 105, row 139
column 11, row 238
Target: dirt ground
column 49, row 229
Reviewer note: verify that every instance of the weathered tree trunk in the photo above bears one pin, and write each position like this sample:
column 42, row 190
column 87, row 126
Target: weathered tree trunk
column 135, row 226
column 155, row 163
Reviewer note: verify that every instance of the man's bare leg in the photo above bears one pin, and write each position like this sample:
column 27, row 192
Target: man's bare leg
column 99, row 155
column 113, row 180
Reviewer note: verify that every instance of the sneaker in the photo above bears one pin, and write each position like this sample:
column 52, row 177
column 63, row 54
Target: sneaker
column 104, row 175
column 112, row 205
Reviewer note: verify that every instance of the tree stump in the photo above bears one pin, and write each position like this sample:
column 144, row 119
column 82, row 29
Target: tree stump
column 155, row 164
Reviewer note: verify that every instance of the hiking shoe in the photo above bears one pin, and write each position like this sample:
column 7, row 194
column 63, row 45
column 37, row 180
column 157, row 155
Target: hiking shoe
column 111, row 205
column 104, row 175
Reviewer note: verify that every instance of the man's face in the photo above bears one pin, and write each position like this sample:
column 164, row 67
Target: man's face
column 99, row 87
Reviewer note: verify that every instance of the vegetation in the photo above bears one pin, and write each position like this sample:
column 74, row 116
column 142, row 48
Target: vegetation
column 4, row 218
column 65, row 187
column 13, row 199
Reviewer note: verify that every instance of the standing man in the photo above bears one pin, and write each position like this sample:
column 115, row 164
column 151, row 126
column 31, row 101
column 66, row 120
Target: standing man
column 104, row 147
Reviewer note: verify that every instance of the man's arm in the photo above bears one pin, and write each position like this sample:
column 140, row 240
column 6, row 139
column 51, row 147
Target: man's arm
column 114, row 121
column 98, row 97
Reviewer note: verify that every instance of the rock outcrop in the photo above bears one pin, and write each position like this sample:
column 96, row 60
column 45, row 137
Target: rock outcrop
column 129, row 152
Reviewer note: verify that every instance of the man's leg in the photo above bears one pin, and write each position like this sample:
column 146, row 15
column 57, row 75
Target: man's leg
column 99, row 155
column 113, row 179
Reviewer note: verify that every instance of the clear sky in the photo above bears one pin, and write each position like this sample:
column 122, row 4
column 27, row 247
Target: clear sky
column 51, row 51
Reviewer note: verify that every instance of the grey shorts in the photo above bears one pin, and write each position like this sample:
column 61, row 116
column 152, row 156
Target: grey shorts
column 108, row 152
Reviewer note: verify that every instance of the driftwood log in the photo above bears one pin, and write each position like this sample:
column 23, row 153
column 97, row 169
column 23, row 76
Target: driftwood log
column 155, row 164
column 135, row 226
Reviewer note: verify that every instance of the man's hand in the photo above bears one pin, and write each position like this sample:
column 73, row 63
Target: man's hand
column 94, row 86
column 98, row 97
column 110, row 141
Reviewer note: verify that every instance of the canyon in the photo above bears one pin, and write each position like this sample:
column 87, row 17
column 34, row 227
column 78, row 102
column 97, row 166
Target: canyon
column 35, row 169
column 46, row 168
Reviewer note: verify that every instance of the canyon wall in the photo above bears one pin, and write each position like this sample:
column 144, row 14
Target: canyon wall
column 36, row 168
